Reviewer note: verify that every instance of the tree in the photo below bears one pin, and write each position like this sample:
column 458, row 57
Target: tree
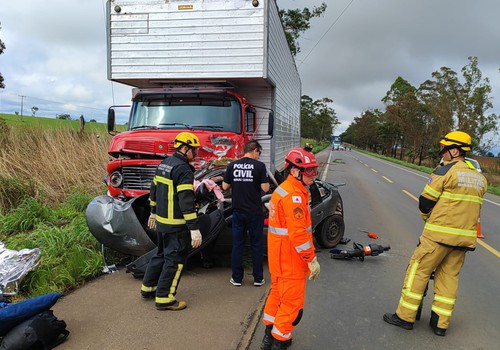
column 34, row 109
column 462, row 106
column 403, row 110
column 296, row 21
column 475, row 101
column 317, row 118
column 63, row 116
column 2, row 48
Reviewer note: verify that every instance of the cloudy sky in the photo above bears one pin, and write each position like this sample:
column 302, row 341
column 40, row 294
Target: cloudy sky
column 56, row 52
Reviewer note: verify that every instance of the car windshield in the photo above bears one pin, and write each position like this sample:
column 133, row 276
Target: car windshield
column 190, row 111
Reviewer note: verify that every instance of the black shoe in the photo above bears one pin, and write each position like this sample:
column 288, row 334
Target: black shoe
column 267, row 341
column 148, row 295
column 433, row 324
column 396, row 321
column 281, row 345
column 439, row 331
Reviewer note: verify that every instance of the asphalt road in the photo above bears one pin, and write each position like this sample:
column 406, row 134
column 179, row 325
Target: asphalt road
column 344, row 308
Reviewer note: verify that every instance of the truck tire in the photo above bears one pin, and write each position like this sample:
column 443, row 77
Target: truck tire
column 330, row 231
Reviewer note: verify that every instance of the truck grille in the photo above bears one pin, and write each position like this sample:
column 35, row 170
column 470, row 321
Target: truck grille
column 138, row 177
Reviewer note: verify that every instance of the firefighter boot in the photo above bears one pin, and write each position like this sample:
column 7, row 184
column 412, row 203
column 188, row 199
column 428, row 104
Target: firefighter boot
column 433, row 323
column 268, row 339
column 175, row 306
column 281, row 345
column 396, row 321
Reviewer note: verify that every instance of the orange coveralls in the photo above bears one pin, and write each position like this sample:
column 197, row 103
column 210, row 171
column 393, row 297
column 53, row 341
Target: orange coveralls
column 290, row 248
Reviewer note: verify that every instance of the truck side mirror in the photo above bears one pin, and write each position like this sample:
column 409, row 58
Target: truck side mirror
column 270, row 125
column 111, row 121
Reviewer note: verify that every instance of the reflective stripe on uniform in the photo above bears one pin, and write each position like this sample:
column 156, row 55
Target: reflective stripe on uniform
column 411, row 276
column 284, row 335
column 462, row 197
column 412, row 295
column 165, row 300
column 446, row 300
column 148, row 289
column 173, row 287
column 166, row 221
column 309, row 229
column 190, row 216
column 450, row 230
column 281, row 191
column 440, row 311
column 185, row 187
column 407, row 289
column 303, row 247
column 267, row 317
column 170, row 196
column 152, row 203
column 408, row 305
column 175, row 281
column 432, row 191
column 278, row 230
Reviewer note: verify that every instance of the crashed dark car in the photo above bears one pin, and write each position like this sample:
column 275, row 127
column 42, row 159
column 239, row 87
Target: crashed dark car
column 122, row 225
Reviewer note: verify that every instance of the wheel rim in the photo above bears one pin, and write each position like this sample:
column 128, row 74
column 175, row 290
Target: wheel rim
column 333, row 231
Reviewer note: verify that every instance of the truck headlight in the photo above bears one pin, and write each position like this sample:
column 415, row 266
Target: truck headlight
column 116, row 179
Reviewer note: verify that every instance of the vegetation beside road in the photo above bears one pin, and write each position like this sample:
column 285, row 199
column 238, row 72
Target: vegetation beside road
column 48, row 175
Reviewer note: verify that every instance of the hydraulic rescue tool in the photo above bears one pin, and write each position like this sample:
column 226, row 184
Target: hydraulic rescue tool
column 359, row 251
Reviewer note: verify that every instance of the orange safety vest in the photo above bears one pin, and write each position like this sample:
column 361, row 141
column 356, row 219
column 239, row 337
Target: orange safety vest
column 289, row 235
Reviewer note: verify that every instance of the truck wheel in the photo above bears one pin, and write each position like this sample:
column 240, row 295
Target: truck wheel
column 330, row 231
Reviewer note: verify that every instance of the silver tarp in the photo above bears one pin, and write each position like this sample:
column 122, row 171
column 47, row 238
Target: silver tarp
column 14, row 265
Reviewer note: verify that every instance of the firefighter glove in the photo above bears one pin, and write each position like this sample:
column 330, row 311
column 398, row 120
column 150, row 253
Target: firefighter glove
column 195, row 238
column 152, row 222
column 314, row 268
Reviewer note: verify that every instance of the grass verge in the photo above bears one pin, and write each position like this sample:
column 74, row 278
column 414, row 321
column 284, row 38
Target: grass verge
column 70, row 255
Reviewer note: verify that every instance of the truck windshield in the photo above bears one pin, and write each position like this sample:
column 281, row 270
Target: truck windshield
column 189, row 111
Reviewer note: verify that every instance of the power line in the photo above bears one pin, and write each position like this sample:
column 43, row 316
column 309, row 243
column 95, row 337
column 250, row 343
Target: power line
column 62, row 103
column 336, row 20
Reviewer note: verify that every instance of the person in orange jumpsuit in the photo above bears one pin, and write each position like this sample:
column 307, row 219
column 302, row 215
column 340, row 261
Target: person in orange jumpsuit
column 290, row 250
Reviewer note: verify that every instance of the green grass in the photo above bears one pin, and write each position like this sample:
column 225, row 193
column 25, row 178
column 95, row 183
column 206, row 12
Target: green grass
column 70, row 255
column 53, row 123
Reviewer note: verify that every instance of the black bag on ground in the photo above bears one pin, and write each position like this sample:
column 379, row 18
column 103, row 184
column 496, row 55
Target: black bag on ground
column 41, row 332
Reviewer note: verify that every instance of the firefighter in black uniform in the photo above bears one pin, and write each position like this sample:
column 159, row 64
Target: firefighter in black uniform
column 173, row 214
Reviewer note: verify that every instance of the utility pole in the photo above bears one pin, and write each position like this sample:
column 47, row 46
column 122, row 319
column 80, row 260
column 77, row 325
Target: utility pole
column 22, row 101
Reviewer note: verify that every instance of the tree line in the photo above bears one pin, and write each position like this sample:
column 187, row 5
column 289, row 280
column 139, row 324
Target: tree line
column 414, row 119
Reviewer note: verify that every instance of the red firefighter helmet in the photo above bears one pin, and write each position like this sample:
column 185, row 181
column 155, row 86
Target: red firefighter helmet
column 302, row 159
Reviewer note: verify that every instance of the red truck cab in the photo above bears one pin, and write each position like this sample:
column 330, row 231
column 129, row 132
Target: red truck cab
column 222, row 119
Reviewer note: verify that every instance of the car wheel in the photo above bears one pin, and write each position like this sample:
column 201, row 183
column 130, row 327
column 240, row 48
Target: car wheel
column 330, row 231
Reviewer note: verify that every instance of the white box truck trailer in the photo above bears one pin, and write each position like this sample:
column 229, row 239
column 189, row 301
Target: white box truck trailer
column 185, row 57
